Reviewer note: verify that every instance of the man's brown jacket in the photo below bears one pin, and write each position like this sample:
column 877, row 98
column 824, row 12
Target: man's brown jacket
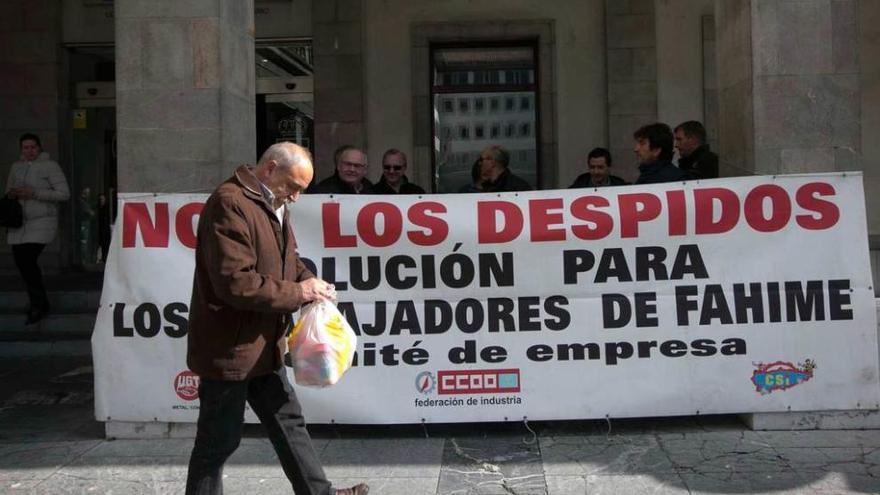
column 245, row 283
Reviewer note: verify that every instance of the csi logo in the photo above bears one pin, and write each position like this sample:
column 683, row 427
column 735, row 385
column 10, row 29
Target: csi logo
column 478, row 381
column 186, row 384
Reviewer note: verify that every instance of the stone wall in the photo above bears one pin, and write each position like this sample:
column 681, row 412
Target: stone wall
column 30, row 94
column 631, row 54
column 339, row 79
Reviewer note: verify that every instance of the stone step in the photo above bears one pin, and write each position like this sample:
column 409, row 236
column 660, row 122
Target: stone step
column 67, row 301
column 52, row 328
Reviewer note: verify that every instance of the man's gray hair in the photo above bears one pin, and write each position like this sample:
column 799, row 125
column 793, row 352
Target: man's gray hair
column 286, row 155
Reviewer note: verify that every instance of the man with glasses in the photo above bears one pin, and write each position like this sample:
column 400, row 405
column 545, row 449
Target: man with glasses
column 394, row 180
column 350, row 175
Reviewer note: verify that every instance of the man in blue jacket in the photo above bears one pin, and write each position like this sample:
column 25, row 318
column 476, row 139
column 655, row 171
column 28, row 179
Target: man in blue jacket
column 653, row 148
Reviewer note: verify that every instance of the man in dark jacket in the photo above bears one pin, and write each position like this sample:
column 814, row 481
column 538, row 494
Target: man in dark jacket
column 248, row 279
column 493, row 164
column 394, row 179
column 598, row 171
column 350, row 176
column 694, row 155
column 653, row 149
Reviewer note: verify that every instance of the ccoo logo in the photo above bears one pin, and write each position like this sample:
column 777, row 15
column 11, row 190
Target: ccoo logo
column 186, row 385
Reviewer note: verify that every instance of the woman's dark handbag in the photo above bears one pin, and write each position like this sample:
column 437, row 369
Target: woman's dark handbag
column 10, row 213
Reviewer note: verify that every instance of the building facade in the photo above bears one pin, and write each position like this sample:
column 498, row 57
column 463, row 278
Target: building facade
column 169, row 96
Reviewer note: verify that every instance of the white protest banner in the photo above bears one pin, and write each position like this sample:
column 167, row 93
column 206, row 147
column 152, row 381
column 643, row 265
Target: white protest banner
column 748, row 294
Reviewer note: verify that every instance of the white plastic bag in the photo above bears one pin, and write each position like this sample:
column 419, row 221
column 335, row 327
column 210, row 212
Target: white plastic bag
column 321, row 345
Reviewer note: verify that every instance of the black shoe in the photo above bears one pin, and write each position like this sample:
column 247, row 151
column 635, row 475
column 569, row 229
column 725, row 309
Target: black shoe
column 359, row 489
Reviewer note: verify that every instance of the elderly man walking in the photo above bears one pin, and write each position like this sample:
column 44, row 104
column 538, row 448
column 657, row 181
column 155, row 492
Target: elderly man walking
column 248, row 279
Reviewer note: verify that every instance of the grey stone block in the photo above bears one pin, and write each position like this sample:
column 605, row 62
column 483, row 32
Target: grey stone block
column 845, row 36
column 819, row 420
column 632, row 98
column 632, row 64
column 37, row 461
column 349, row 10
column 566, row 485
column 807, row 111
column 129, row 69
column 810, row 160
column 237, row 16
column 148, row 430
column 500, row 465
column 189, row 144
column 768, row 161
column 344, row 105
column 337, row 38
column 781, row 483
column 149, row 109
column 629, row 6
column 237, row 63
column 792, row 38
column 206, row 54
column 164, row 64
column 339, row 71
column 144, row 173
column 393, row 457
column 25, row 47
column 630, row 31
column 390, row 486
column 238, row 128
column 577, row 455
column 169, row 8
column 39, row 114
column 323, row 11
column 848, row 159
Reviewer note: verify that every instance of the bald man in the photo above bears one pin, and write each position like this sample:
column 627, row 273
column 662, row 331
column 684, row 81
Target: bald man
column 248, row 280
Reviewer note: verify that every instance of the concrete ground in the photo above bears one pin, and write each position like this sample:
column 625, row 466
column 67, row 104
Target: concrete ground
column 51, row 444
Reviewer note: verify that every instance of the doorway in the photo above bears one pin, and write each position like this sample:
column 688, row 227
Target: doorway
column 285, row 100
column 93, row 172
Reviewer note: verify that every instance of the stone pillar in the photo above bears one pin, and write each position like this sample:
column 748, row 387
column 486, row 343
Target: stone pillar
column 680, row 59
column 632, row 77
column 30, row 54
column 788, row 73
column 339, row 75
column 790, row 102
column 736, row 146
column 184, row 92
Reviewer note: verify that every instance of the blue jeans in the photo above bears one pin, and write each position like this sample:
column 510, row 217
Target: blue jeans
column 221, row 416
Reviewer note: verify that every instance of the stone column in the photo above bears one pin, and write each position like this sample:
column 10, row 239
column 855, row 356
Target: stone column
column 788, row 75
column 632, row 77
column 339, row 75
column 184, row 92
column 790, row 102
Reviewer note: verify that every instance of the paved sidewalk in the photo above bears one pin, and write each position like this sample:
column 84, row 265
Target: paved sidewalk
column 50, row 444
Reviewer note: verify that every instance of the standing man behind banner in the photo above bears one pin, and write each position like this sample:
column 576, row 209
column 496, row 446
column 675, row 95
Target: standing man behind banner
column 248, row 279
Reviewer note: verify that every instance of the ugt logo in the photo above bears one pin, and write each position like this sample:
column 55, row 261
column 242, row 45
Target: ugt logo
column 186, row 385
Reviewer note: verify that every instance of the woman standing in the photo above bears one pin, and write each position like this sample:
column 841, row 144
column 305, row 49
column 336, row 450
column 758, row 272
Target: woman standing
column 38, row 184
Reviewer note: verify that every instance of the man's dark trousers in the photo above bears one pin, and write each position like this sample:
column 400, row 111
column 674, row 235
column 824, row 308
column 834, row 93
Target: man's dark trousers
column 221, row 416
